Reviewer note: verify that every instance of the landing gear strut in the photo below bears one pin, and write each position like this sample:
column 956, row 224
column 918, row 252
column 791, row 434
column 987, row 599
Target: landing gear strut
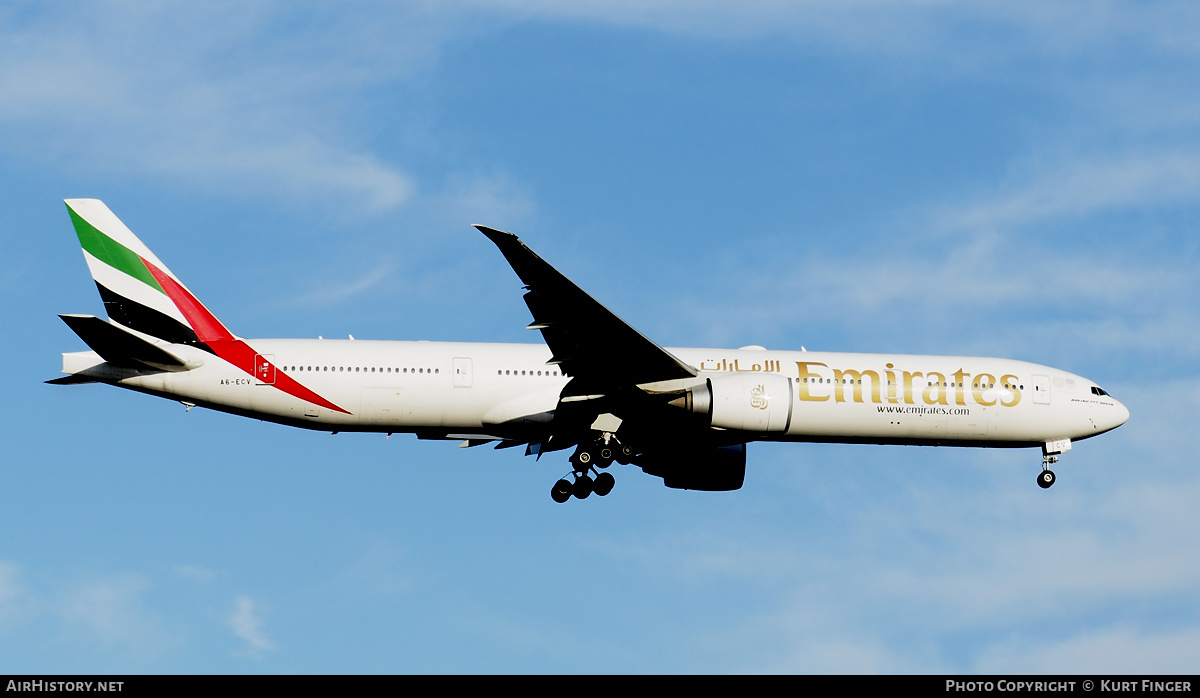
column 584, row 462
column 1046, row 477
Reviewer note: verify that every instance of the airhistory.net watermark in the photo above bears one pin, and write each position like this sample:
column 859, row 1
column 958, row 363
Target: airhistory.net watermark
column 40, row 685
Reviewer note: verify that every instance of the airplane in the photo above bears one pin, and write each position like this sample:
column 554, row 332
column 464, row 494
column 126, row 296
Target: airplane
column 596, row 386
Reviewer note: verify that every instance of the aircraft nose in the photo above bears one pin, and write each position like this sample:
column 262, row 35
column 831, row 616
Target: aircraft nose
column 1113, row 416
column 1122, row 415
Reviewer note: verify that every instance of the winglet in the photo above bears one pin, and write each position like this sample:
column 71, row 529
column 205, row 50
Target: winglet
column 494, row 235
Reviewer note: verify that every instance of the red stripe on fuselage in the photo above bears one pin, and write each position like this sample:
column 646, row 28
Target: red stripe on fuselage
column 242, row 355
column 210, row 331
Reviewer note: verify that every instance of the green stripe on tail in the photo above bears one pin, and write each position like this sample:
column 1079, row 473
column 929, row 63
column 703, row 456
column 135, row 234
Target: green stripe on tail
column 111, row 252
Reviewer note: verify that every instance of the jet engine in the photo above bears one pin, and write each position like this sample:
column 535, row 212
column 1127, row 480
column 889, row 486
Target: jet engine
column 760, row 402
column 711, row 468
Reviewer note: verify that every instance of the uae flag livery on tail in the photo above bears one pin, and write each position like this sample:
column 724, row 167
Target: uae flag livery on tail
column 141, row 294
column 122, row 268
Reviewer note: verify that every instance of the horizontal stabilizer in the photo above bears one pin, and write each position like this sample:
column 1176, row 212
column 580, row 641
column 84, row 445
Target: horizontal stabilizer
column 122, row 348
column 73, row 380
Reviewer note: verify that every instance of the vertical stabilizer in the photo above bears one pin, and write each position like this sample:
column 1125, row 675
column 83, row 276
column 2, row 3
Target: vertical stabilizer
column 138, row 290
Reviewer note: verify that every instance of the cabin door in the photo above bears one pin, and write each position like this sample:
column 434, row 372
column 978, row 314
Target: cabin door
column 462, row 373
column 1041, row 390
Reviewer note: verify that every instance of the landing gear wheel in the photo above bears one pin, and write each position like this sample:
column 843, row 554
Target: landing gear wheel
column 624, row 454
column 604, row 457
column 604, row 483
column 584, row 457
column 1046, row 478
column 561, row 491
column 583, row 487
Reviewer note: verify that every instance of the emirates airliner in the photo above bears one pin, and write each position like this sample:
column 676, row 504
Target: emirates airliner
column 596, row 387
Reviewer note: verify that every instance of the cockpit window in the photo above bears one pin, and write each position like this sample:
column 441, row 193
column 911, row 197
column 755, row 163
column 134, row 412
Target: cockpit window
column 1097, row 390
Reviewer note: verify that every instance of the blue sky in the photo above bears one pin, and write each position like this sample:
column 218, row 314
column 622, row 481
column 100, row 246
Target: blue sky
column 1017, row 179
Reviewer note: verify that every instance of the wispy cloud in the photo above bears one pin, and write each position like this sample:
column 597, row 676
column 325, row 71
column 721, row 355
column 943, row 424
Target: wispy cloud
column 223, row 96
column 381, row 570
column 10, row 591
column 975, row 288
column 111, row 610
column 195, row 573
column 494, row 199
column 1115, row 650
column 248, row 626
column 975, row 32
column 1081, row 187
column 333, row 293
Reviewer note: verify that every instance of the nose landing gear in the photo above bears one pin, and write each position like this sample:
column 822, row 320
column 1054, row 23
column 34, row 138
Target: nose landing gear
column 1046, row 477
column 1050, row 451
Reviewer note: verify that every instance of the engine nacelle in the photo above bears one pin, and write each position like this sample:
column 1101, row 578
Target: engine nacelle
column 760, row 402
column 712, row 469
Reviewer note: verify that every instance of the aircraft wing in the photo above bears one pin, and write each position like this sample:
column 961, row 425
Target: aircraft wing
column 600, row 351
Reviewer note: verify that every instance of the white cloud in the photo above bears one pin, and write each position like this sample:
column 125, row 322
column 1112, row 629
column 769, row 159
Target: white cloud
column 248, row 626
column 495, row 199
column 195, row 573
column 9, row 588
column 10, row 593
column 381, row 570
column 1116, row 650
column 334, row 293
column 221, row 96
column 973, row 33
column 978, row 289
column 111, row 610
column 1080, row 187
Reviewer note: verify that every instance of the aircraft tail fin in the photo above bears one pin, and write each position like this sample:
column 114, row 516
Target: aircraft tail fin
column 138, row 290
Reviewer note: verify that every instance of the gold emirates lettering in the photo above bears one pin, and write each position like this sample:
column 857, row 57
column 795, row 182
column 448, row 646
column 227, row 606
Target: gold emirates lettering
column 938, row 390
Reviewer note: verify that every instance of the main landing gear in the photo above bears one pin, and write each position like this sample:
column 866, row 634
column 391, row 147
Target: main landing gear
column 1046, row 477
column 586, row 459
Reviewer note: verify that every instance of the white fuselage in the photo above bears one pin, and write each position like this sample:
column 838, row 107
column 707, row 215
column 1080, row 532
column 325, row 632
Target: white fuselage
column 463, row 388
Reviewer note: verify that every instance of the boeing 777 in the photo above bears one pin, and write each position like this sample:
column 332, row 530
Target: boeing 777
column 597, row 387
